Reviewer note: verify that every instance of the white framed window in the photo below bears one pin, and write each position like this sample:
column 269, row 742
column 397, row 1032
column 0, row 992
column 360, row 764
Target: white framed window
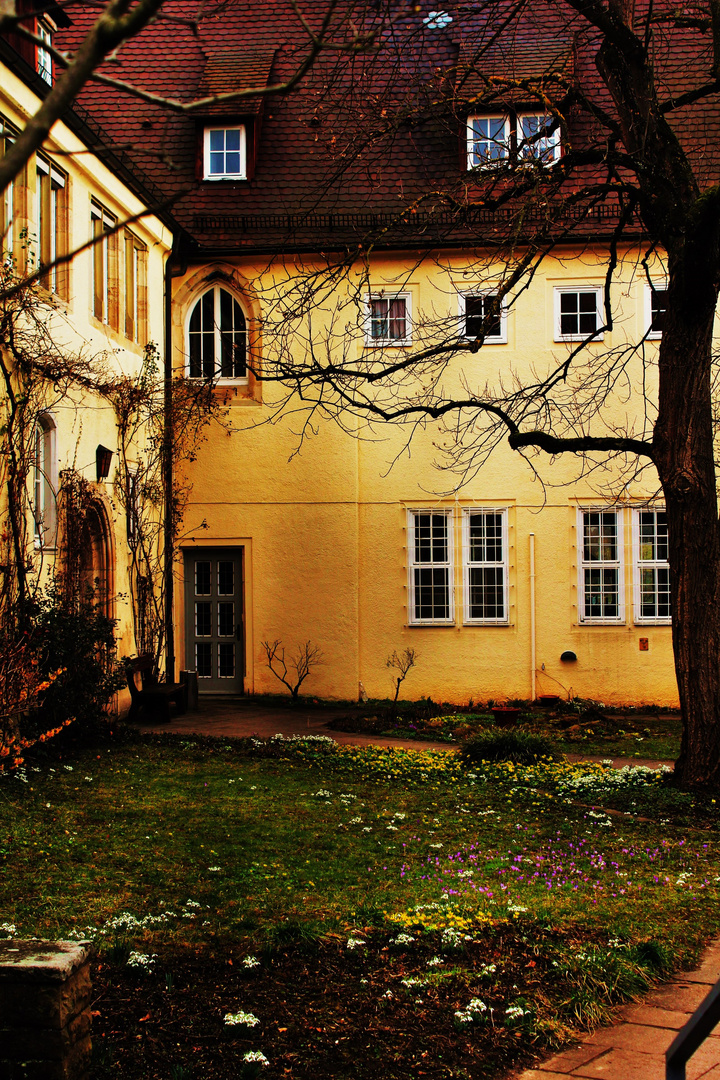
column 578, row 313
column 44, row 59
column 655, row 304
column 485, row 566
column 7, row 199
column 104, row 260
column 225, row 153
column 430, row 566
column 217, row 338
column 538, row 138
column 44, row 482
column 651, row 570
column 388, row 319
column 600, row 564
column 135, row 288
column 488, row 141
column 50, row 219
column 475, row 307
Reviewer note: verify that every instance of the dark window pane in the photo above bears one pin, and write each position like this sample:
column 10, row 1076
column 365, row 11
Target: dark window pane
column 203, row 618
column 226, row 578
column 202, row 578
column 226, row 619
column 432, row 594
column 203, row 659
column 226, row 660
column 487, row 595
column 658, row 304
column 476, row 309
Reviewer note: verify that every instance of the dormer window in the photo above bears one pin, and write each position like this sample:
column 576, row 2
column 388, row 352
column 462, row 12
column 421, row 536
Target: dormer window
column 516, row 138
column 44, row 59
column 225, row 156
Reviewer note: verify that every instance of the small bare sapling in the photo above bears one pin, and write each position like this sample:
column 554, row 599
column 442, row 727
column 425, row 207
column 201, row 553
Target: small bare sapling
column 293, row 670
column 402, row 662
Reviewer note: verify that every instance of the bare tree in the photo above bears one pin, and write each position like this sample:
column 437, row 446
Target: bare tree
column 403, row 663
column 634, row 104
column 293, row 671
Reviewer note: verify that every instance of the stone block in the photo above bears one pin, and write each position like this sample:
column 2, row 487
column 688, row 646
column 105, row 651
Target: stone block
column 49, row 1044
column 45, row 1021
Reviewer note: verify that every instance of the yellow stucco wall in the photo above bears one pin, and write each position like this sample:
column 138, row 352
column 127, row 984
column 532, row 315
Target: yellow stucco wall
column 325, row 531
column 84, row 420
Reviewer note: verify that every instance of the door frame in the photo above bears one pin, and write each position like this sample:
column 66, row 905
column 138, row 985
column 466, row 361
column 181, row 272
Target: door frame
column 211, row 549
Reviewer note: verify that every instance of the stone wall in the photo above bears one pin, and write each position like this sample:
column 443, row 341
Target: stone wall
column 45, row 1010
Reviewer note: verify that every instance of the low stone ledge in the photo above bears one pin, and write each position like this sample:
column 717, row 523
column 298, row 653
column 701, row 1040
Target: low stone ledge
column 45, row 1019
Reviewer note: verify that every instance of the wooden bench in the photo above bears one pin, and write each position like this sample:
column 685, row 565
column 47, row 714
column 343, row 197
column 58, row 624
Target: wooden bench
column 151, row 695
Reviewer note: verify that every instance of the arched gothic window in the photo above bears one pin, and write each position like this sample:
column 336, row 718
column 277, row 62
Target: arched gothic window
column 44, row 482
column 217, row 337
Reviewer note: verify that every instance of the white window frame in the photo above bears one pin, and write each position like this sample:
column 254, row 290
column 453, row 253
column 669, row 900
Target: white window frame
column 241, row 174
column 103, row 257
column 57, row 181
column 652, row 335
column 44, row 507
column 546, row 150
column 218, row 380
column 473, row 142
column 640, row 564
column 490, row 339
column 447, row 565
column 44, row 59
column 468, row 566
column 564, row 290
column 7, row 138
column 389, row 296
column 616, row 565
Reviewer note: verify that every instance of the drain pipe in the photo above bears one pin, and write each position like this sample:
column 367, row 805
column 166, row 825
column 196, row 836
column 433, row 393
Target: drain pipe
column 533, row 662
column 167, row 467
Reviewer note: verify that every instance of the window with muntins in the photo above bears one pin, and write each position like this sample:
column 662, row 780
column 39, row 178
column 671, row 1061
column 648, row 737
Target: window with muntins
column 224, row 153
column 44, row 482
column 50, row 219
column 578, row 314
column 7, row 199
column 217, row 337
column 600, row 551
column 430, row 566
column 135, row 289
column 488, row 141
column 389, row 320
column 651, row 568
column 475, row 309
column 485, row 566
column 538, row 138
column 44, row 59
column 104, row 260
column 655, row 305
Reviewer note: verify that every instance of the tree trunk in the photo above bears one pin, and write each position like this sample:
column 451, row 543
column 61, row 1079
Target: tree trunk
column 683, row 453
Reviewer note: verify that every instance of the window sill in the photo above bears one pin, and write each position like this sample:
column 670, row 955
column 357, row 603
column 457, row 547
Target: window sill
column 570, row 338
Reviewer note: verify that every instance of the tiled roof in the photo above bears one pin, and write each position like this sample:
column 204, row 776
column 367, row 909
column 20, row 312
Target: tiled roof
column 229, row 68
column 317, row 177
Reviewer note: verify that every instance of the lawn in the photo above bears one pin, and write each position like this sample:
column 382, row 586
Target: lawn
column 334, row 907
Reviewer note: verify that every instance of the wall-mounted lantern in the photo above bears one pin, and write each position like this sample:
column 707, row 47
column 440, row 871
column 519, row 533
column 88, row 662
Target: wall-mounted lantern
column 103, row 458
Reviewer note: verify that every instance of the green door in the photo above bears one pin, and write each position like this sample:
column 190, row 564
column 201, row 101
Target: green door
column 214, row 619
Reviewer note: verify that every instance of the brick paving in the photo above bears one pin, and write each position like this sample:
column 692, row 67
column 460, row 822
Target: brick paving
column 634, row 1048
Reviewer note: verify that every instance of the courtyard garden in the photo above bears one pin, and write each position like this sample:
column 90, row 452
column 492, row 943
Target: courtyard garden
column 291, row 907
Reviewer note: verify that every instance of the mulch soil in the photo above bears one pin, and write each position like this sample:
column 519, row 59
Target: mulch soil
column 324, row 1011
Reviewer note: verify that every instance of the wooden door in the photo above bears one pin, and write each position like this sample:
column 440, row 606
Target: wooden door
column 214, row 619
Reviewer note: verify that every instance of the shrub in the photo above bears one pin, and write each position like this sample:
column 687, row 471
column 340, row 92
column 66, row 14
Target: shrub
column 520, row 747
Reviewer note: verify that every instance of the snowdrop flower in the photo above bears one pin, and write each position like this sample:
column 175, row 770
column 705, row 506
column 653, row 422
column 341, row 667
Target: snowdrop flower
column 248, row 1019
column 255, row 1057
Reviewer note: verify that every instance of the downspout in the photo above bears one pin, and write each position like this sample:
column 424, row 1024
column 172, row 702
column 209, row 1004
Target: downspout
column 168, row 522
column 533, row 660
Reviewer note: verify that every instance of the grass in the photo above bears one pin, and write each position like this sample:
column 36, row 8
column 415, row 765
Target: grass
column 198, row 854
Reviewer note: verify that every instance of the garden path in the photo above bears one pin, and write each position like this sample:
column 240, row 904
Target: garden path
column 634, row 1048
